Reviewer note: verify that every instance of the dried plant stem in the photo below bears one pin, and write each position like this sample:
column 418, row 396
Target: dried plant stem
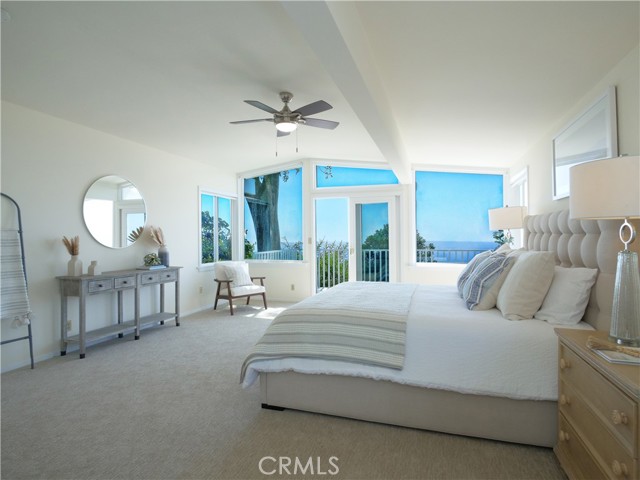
column 135, row 234
column 73, row 245
column 157, row 235
column 598, row 344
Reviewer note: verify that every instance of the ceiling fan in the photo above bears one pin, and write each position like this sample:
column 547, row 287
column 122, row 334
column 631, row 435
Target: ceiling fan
column 287, row 121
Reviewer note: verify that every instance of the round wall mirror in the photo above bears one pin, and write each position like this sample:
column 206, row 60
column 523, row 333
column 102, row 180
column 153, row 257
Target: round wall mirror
column 113, row 211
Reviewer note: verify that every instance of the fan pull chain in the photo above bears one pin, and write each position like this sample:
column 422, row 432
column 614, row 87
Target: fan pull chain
column 296, row 140
column 276, row 144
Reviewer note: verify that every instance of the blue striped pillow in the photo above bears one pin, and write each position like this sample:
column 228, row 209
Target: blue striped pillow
column 469, row 269
column 483, row 278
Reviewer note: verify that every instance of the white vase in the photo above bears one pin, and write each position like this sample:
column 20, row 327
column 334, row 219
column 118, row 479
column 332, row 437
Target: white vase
column 163, row 255
column 94, row 269
column 74, row 266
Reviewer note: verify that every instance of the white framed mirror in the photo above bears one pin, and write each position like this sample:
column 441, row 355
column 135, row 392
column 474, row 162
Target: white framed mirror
column 113, row 208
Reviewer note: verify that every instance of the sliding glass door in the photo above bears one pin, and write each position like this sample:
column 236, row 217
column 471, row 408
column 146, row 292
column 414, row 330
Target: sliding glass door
column 372, row 239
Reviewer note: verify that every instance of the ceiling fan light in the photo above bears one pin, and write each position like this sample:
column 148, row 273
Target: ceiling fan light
column 287, row 126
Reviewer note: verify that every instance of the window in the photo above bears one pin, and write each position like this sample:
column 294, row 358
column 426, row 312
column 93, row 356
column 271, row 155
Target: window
column 273, row 216
column 216, row 228
column 332, row 176
column 452, row 220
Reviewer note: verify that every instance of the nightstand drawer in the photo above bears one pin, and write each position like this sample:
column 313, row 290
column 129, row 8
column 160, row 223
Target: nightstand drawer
column 617, row 411
column 600, row 438
column 573, row 454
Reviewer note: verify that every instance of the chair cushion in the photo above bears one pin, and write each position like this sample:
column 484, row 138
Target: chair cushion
column 237, row 272
column 247, row 290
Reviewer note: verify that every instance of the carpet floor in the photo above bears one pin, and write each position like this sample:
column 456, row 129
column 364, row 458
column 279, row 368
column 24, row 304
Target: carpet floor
column 169, row 406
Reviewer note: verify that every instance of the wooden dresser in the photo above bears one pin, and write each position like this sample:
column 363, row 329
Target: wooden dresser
column 598, row 417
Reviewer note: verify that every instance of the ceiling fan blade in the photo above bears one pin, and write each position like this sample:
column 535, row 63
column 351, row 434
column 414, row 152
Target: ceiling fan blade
column 253, row 121
column 282, row 134
column 313, row 108
column 317, row 122
column 261, row 106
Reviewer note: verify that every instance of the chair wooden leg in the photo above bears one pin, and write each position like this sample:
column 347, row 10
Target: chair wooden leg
column 264, row 299
column 248, row 298
column 231, row 304
column 215, row 304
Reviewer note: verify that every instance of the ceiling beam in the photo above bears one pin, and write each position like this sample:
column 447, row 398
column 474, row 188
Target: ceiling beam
column 334, row 32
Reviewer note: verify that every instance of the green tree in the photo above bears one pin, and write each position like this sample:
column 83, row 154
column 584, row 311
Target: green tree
column 501, row 238
column 421, row 244
column 373, row 262
column 207, row 237
column 224, row 239
column 333, row 263
column 263, row 207
column 379, row 240
column 248, row 247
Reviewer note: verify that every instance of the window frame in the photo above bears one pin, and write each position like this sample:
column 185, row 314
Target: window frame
column 232, row 227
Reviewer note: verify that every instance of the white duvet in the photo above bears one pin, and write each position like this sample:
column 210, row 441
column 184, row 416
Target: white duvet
column 451, row 348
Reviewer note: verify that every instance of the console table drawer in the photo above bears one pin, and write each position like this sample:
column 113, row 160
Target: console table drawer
column 125, row 282
column 168, row 276
column 148, row 278
column 100, row 285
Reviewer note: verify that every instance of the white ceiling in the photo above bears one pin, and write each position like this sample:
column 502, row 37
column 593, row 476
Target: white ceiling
column 451, row 83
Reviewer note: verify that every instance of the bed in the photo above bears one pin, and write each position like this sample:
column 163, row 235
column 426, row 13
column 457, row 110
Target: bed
column 487, row 376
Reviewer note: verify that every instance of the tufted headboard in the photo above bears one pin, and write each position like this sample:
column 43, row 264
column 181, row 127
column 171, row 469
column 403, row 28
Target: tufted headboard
column 580, row 243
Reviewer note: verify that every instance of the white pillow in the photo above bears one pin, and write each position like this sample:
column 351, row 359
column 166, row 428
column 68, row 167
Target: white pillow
column 481, row 288
column 504, row 248
column 238, row 273
column 526, row 285
column 568, row 296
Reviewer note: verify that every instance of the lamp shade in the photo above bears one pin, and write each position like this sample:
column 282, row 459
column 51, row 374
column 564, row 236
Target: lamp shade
column 506, row 218
column 608, row 188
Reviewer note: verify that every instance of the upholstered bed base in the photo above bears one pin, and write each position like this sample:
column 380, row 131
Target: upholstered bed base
column 588, row 243
column 520, row 421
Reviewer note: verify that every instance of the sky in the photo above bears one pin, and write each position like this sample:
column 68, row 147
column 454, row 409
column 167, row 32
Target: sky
column 454, row 206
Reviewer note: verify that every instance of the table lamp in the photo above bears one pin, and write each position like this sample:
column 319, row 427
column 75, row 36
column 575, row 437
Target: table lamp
column 506, row 218
column 610, row 189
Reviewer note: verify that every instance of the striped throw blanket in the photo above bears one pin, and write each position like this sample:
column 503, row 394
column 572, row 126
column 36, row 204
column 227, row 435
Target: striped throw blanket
column 14, row 301
column 361, row 322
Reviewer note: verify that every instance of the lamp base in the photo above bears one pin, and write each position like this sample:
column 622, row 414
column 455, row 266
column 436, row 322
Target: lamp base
column 625, row 316
column 624, row 342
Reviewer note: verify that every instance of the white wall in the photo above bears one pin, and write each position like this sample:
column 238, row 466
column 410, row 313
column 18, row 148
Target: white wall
column 47, row 166
column 626, row 78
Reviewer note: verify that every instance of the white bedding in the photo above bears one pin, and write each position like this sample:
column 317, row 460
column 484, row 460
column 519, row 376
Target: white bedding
column 451, row 348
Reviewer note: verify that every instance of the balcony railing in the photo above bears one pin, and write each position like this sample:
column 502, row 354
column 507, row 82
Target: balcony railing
column 285, row 254
column 445, row 256
column 332, row 265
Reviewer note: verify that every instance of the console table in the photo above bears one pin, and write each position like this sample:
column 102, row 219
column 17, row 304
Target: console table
column 85, row 286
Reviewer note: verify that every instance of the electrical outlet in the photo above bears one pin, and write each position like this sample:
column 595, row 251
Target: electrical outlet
column 201, row 290
column 69, row 325
column 293, row 287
